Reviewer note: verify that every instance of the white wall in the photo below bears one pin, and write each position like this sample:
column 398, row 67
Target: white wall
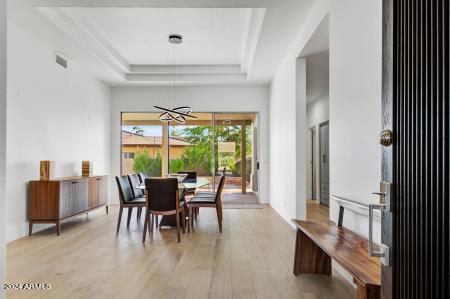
column 53, row 113
column 201, row 99
column 2, row 143
column 288, row 129
column 355, row 103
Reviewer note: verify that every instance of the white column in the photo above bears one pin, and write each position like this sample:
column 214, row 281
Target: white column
column 2, row 144
column 300, row 138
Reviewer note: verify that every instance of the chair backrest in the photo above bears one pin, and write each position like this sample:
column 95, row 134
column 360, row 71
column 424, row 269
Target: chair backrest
column 134, row 182
column 125, row 192
column 219, row 189
column 162, row 194
column 191, row 176
column 142, row 176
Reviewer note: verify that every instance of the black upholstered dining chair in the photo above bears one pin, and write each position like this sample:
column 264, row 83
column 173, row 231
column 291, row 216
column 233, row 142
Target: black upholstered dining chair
column 142, row 176
column 191, row 176
column 214, row 200
column 135, row 180
column 163, row 198
column 127, row 200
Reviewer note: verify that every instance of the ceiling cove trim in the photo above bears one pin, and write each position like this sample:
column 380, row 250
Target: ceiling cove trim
column 81, row 32
column 86, row 39
column 121, row 61
column 253, row 33
column 162, row 79
column 187, row 69
column 155, row 3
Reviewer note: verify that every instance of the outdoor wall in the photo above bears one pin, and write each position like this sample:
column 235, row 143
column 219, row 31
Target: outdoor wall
column 53, row 113
column 355, row 104
column 201, row 99
column 3, row 50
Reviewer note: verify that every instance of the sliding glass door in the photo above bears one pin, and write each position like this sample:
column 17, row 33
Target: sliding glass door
column 212, row 145
column 235, row 135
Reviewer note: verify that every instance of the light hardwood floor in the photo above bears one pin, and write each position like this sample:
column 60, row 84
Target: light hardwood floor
column 316, row 211
column 253, row 258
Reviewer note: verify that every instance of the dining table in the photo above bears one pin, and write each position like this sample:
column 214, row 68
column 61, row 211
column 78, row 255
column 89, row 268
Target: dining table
column 183, row 186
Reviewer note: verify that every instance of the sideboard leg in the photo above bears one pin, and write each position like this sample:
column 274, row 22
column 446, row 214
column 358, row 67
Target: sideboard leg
column 107, row 211
column 30, row 227
column 58, row 228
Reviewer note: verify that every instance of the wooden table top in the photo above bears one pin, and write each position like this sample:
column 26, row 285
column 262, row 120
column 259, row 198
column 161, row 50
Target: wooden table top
column 345, row 247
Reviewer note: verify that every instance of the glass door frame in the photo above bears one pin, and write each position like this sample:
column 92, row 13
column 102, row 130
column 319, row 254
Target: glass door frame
column 214, row 141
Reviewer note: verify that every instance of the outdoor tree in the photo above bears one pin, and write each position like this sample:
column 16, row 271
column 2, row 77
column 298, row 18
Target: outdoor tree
column 138, row 131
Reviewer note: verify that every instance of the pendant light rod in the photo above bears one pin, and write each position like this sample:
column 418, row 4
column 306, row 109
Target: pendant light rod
column 177, row 114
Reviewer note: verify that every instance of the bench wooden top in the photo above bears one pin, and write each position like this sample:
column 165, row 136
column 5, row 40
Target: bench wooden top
column 346, row 248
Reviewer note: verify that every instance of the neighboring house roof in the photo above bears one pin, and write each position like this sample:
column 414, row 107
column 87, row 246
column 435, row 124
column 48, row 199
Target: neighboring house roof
column 132, row 139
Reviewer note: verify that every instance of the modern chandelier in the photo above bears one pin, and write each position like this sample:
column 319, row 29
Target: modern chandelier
column 178, row 114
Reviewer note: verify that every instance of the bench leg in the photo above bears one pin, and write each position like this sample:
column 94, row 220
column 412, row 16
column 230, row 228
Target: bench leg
column 368, row 291
column 310, row 258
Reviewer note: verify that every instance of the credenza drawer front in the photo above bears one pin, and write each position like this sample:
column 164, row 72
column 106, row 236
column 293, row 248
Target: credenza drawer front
column 67, row 201
column 82, row 195
column 73, row 197
column 103, row 190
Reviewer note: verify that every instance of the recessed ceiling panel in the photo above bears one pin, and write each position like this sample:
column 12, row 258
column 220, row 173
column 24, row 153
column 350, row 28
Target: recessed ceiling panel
column 140, row 35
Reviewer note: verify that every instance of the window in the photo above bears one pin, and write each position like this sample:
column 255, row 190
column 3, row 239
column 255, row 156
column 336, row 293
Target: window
column 128, row 155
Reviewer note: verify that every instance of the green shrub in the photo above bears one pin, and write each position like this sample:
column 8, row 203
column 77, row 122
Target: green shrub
column 176, row 165
column 144, row 162
column 198, row 158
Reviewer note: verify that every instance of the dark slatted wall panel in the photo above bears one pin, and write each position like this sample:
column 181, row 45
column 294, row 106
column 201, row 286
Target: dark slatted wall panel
column 421, row 152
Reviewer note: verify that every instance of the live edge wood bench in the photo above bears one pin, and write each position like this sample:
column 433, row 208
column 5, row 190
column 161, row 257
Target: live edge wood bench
column 318, row 243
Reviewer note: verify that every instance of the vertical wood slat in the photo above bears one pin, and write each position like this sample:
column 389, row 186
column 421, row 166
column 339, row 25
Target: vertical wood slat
column 421, row 153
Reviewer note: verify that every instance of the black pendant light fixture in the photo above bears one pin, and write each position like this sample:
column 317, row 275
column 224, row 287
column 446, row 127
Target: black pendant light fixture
column 177, row 114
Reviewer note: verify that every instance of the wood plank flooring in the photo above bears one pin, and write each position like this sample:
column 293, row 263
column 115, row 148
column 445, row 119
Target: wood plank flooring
column 253, row 258
column 316, row 211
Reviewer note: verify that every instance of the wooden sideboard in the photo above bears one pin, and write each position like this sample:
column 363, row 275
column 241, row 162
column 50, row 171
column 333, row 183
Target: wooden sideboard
column 56, row 200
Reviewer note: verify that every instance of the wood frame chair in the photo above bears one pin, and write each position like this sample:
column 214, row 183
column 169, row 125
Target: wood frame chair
column 212, row 201
column 159, row 193
column 127, row 199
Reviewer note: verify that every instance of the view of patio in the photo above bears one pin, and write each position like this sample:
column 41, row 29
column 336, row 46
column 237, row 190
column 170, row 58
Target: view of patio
column 212, row 145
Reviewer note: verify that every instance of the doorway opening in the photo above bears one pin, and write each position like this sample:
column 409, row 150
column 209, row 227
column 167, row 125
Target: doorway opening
column 316, row 54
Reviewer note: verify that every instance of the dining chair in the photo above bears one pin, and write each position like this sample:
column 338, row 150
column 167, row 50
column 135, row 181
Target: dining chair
column 142, row 176
column 135, row 180
column 212, row 201
column 127, row 200
column 163, row 198
column 191, row 176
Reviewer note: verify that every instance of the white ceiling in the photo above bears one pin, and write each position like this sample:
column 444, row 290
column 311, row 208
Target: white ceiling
column 225, row 41
column 211, row 35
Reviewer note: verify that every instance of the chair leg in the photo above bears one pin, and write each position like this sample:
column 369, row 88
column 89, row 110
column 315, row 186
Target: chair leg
column 145, row 227
column 152, row 221
column 119, row 220
column 130, row 211
column 156, row 221
column 219, row 219
column 178, row 226
column 183, row 220
column 189, row 219
column 138, row 214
